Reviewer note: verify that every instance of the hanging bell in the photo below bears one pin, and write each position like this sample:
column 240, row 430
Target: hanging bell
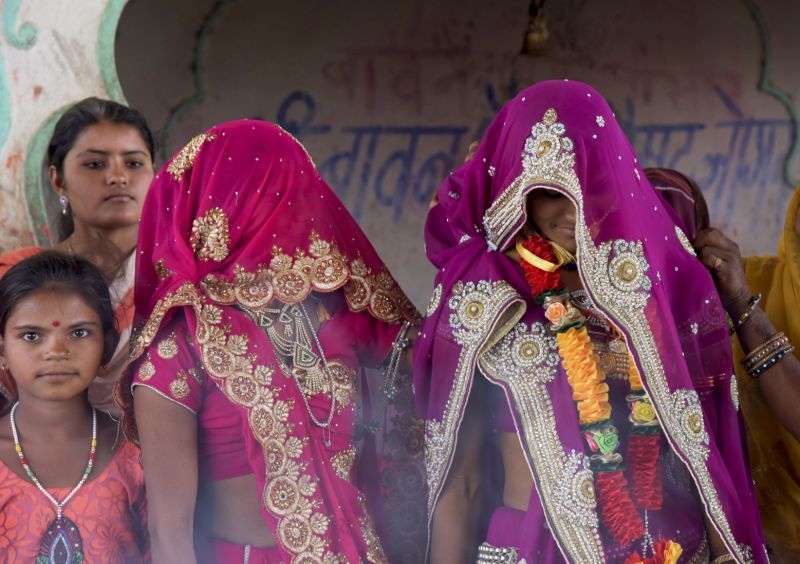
column 534, row 43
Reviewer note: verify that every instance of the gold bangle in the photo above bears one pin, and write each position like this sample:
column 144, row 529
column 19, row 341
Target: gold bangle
column 764, row 349
column 765, row 353
column 751, row 307
column 771, row 361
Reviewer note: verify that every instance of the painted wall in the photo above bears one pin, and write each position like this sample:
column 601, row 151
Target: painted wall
column 387, row 96
column 50, row 55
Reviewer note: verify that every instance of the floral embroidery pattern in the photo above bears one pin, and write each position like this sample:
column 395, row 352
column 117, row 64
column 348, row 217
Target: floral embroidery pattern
column 322, row 268
column 291, row 492
column 147, row 369
column 167, row 348
column 211, row 235
column 184, row 160
column 342, row 463
column 179, row 387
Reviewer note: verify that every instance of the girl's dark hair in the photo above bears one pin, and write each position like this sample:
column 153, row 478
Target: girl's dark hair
column 55, row 271
column 90, row 111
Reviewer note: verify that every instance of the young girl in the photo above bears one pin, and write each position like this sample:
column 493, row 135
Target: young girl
column 71, row 488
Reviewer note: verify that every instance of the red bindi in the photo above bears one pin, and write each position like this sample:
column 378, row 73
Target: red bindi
column 56, row 323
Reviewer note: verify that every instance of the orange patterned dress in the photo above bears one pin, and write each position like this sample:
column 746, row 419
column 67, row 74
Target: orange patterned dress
column 109, row 510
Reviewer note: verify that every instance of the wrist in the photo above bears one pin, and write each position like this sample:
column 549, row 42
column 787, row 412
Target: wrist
column 737, row 305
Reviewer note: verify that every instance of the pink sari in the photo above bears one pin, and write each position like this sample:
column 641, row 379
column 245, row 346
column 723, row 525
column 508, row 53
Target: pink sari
column 240, row 219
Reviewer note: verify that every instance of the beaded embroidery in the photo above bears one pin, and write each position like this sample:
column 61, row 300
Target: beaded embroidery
column 684, row 240
column 526, row 360
column 184, row 160
column 478, row 312
column 291, row 491
column 342, row 463
column 210, row 236
column 436, row 299
column 621, row 289
column 168, row 348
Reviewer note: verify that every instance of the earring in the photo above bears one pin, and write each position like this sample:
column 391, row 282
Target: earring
column 64, row 201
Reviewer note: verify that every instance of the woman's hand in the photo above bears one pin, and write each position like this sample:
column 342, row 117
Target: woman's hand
column 724, row 260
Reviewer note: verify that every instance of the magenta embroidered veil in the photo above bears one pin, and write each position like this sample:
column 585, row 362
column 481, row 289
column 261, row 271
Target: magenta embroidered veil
column 638, row 268
column 241, row 218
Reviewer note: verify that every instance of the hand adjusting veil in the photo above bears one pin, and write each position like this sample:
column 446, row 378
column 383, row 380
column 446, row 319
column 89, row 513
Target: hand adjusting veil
column 638, row 268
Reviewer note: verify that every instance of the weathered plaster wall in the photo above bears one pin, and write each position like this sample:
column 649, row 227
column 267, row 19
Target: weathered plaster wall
column 387, row 96
column 51, row 54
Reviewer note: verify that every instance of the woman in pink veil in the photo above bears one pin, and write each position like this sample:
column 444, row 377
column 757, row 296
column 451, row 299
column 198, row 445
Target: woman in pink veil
column 574, row 368
column 258, row 303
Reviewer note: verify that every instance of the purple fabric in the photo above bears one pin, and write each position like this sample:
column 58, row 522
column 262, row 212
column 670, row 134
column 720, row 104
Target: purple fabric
column 683, row 320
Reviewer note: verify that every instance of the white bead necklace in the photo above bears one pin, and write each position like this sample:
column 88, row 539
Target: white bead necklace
column 89, row 465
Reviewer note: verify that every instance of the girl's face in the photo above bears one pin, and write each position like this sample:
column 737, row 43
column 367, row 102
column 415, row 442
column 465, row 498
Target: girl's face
column 553, row 216
column 52, row 345
column 106, row 175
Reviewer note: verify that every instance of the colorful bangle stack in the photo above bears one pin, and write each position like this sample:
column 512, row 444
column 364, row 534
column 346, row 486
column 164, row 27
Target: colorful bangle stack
column 751, row 307
column 767, row 355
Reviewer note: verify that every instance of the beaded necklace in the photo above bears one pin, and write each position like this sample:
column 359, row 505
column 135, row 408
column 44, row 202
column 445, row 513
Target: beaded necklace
column 289, row 333
column 61, row 542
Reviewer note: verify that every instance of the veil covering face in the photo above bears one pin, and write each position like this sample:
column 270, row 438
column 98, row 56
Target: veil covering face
column 237, row 220
column 639, row 270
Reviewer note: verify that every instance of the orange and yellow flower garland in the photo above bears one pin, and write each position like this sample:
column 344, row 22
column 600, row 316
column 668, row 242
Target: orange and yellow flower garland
column 615, row 501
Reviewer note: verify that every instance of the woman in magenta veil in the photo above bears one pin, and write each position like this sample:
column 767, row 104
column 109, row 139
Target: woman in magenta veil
column 574, row 368
column 259, row 305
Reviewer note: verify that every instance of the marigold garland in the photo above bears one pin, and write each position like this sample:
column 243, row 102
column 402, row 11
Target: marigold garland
column 665, row 552
column 589, row 387
column 615, row 499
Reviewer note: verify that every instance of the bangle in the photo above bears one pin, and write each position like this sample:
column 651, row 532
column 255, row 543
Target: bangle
column 751, row 307
column 770, row 362
column 724, row 558
column 754, row 357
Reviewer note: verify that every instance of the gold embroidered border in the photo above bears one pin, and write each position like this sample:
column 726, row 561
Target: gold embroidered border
column 322, row 268
column 290, row 492
column 618, row 283
column 481, row 313
column 527, row 360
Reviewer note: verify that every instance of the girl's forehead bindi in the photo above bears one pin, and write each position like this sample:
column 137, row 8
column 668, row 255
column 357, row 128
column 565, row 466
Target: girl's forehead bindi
column 56, row 323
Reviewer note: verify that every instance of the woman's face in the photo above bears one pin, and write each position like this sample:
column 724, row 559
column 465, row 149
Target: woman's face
column 106, row 175
column 553, row 216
